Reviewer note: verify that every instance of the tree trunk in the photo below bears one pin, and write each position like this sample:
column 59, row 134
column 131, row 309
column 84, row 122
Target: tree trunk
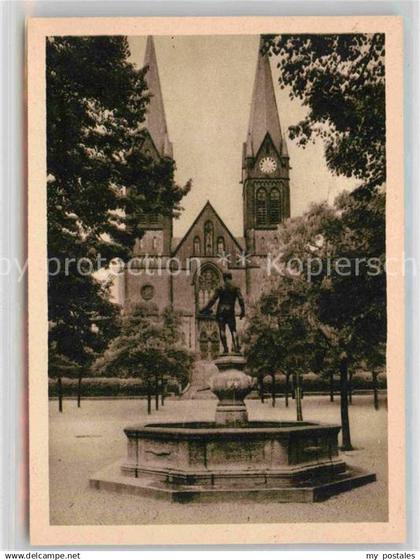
column 273, row 390
column 375, row 390
column 79, row 391
column 298, row 398
column 60, row 394
column 149, row 398
column 350, row 390
column 261, row 388
column 286, row 396
column 332, row 386
column 162, row 391
column 344, row 406
column 156, row 392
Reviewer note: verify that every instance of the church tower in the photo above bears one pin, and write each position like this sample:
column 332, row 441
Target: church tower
column 158, row 229
column 148, row 281
column 265, row 165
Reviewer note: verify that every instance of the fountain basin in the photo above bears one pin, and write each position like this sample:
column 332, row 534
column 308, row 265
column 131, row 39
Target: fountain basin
column 280, row 461
column 204, row 453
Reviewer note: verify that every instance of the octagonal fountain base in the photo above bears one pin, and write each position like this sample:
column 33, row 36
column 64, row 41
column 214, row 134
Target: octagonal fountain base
column 284, row 462
column 232, row 458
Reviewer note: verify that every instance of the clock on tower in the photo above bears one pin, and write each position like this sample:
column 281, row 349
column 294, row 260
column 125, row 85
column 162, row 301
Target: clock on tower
column 268, row 165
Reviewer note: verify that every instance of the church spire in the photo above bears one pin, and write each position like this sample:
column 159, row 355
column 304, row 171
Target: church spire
column 264, row 115
column 155, row 115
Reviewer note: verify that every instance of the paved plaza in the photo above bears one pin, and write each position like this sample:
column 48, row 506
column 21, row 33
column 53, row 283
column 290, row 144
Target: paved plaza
column 83, row 440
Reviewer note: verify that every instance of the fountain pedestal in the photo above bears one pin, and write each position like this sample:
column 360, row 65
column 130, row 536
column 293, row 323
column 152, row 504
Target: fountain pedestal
column 231, row 386
column 232, row 458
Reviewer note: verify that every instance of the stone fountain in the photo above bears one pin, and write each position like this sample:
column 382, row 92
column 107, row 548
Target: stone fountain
column 232, row 458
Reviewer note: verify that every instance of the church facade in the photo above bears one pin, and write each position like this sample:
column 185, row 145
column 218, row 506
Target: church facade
column 183, row 273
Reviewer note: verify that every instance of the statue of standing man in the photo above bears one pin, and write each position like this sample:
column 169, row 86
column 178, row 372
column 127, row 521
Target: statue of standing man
column 226, row 296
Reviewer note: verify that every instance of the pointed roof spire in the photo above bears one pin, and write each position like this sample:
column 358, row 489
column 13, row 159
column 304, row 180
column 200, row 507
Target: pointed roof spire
column 264, row 115
column 155, row 115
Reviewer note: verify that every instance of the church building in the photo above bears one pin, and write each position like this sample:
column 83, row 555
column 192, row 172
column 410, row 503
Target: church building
column 183, row 273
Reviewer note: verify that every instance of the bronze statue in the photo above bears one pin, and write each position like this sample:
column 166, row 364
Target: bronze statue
column 225, row 313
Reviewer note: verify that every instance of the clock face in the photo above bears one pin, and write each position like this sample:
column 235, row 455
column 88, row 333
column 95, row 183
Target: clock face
column 268, row 165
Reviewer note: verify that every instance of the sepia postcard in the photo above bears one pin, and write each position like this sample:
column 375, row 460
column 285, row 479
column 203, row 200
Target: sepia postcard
column 216, row 280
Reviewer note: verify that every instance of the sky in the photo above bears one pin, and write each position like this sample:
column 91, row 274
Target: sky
column 207, row 86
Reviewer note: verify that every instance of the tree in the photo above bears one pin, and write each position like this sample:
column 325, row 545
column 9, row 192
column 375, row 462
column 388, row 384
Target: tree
column 340, row 78
column 340, row 254
column 375, row 363
column 99, row 183
column 328, row 372
column 278, row 338
column 149, row 347
column 60, row 366
column 82, row 319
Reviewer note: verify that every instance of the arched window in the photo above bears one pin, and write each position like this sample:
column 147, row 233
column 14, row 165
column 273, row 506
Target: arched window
column 154, row 243
column 153, row 218
column 197, row 246
column 204, row 345
column 263, row 245
column 207, row 281
column 261, row 207
column 275, row 214
column 208, row 239
column 220, row 245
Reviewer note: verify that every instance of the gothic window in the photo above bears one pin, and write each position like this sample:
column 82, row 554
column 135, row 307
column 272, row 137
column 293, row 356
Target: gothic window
column 207, row 282
column 261, row 207
column 149, row 218
column 263, row 246
column 220, row 245
column 214, row 344
column 197, row 246
column 208, row 239
column 209, row 341
column 275, row 216
column 204, row 345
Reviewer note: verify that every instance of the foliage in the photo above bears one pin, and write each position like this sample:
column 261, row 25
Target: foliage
column 82, row 318
column 341, row 251
column 99, row 182
column 149, row 344
column 278, row 338
column 341, row 80
column 62, row 366
column 331, row 294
